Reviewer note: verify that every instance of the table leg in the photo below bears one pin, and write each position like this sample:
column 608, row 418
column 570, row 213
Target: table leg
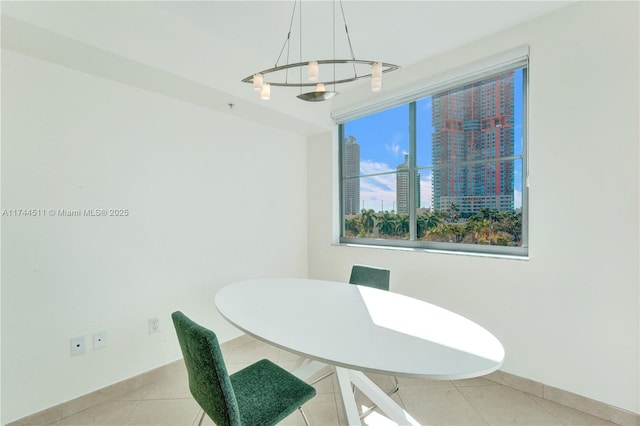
column 345, row 378
column 381, row 399
column 351, row 410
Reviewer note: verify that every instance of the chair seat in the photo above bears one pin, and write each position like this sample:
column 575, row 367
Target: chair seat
column 267, row 394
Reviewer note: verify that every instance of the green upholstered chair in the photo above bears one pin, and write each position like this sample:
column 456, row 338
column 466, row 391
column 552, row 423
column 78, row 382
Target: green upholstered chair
column 370, row 276
column 260, row 394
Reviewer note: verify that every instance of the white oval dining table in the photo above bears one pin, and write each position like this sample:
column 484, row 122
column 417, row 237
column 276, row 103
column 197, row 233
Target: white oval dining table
column 360, row 329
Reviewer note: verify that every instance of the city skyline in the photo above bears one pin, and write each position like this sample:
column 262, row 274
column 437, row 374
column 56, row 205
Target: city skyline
column 383, row 140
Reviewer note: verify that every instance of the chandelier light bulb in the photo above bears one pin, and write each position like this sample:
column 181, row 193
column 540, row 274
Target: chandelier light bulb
column 265, row 94
column 312, row 71
column 258, row 80
column 376, row 71
column 320, row 87
column 376, row 84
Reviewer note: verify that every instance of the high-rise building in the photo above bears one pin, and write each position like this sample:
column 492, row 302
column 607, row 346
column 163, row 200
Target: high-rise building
column 351, row 168
column 402, row 187
column 472, row 124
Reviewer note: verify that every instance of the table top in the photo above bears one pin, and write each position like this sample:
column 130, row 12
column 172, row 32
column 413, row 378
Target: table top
column 361, row 328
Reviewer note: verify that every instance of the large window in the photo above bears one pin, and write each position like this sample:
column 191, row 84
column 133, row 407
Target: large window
column 444, row 171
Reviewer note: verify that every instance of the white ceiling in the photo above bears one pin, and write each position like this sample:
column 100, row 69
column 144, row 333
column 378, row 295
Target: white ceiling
column 202, row 49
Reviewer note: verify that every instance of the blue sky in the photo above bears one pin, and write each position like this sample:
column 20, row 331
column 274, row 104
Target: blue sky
column 384, row 139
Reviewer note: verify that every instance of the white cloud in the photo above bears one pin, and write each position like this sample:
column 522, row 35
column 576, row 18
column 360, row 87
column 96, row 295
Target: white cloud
column 368, row 167
column 426, row 190
column 517, row 199
column 378, row 192
column 397, row 140
column 394, row 148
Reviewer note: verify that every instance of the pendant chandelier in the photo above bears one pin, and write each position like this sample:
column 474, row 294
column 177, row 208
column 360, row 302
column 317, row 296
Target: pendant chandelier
column 335, row 71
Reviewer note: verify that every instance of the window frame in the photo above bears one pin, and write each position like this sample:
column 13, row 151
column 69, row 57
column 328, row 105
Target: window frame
column 434, row 88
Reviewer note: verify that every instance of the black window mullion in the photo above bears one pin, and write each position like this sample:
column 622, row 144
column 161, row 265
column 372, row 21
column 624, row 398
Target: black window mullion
column 525, row 154
column 341, row 180
column 413, row 228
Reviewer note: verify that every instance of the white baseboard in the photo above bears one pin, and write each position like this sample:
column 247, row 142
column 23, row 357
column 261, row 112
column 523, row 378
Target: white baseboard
column 581, row 403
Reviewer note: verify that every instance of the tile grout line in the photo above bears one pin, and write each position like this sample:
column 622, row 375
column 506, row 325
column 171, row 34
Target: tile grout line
column 530, row 396
column 133, row 409
column 124, row 419
column 472, row 405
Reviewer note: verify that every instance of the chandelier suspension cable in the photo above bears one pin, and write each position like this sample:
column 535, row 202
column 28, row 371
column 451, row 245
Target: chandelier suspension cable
column 300, row 57
column 287, row 41
column 333, row 19
column 346, row 30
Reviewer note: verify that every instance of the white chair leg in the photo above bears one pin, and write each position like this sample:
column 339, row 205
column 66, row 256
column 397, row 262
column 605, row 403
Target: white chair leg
column 321, row 377
column 304, row 416
column 395, row 389
column 201, row 419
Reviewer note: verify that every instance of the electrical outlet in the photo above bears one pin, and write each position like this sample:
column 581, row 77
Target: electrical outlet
column 78, row 345
column 154, row 325
column 99, row 340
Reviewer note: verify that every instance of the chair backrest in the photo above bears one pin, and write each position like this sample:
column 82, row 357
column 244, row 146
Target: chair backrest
column 370, row 276
column 209, row 380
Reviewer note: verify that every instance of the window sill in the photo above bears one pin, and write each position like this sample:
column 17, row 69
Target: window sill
column 434, row 251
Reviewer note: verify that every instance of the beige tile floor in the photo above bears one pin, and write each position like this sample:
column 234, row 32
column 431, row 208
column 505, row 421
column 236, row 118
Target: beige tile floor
column 462, row 402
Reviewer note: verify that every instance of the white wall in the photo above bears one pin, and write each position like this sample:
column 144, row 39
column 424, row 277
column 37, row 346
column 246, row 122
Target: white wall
column 569, row 316
column 205, row 209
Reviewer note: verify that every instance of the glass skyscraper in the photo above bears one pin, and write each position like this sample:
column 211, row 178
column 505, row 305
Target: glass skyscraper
column 402, row 187
column 472, row 125
column 351, row 168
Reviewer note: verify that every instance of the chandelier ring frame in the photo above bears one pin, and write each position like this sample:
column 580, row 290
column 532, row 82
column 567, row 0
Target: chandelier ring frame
column 386, row 67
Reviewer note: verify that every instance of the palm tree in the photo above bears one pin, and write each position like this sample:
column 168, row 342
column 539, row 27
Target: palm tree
column 456, row 232
column 479, row 229
column 447, row 232
column 368, row 220
column 427, row 221
column 432, row 219
column 387, row 223
column 483, row 222
column 352, row 225
column 453, row 212
column 511, row 223
column 402, row 225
